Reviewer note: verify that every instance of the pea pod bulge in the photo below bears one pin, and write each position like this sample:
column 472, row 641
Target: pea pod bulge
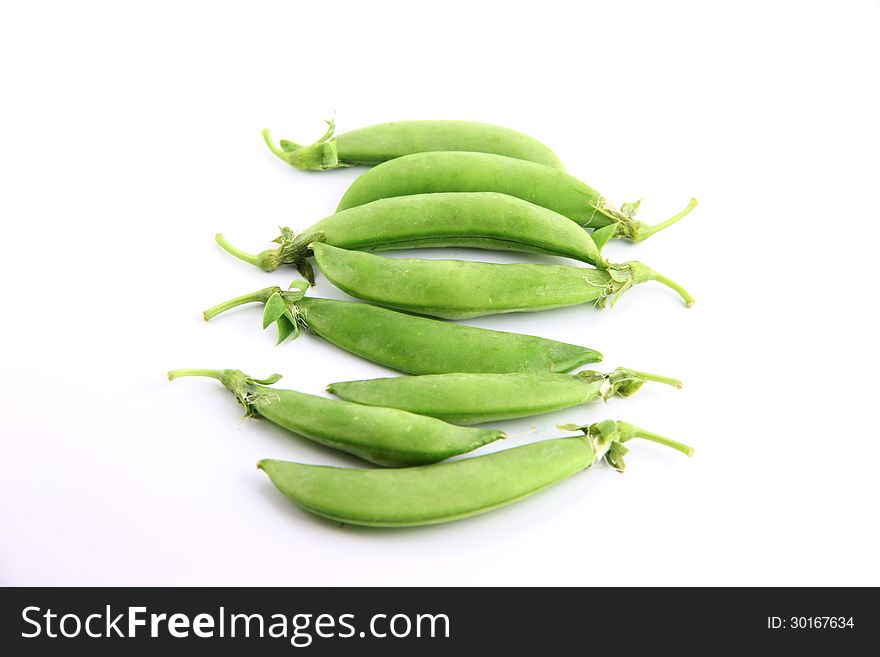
column 385, row 436
column 468, row 398
column 423, row 173
column 451, row 491
column 386, row 141
column 484, row 220
column 461, row 289
column 416, row 345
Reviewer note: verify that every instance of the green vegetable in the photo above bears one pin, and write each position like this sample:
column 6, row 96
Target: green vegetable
column 484, row 220
column 405, row 343
column 474, row 398
column 385, row 436
column 450, row 491
column 387, row 141
column 459, row 289
column 424, row 173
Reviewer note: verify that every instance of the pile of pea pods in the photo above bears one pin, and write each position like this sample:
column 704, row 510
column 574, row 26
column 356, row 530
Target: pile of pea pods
column 442, row 184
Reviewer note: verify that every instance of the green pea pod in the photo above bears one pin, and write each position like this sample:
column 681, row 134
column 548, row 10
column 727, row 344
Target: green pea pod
column 483, row 220
column 415, row 345
column 460, row 289
column 386, row 141
column 445, row 492
column 426, row 173
column 465, row 398
column 384, row 436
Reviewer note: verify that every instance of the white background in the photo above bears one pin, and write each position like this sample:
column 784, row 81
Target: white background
column 130, row 135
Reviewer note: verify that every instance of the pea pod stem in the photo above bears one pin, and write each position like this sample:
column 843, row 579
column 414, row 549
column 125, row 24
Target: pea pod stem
column 645, row 231
column 656, row 378
column 668, row 282
column 662, row 440
column 236, row 381
column 260, row 296
column 176, row 374
column 628, row 227
column 225, row 376
column 316, row 157
column 292, row 249
column 641, row 273
column 261, row 260
column 607, row 438
column 267, row 137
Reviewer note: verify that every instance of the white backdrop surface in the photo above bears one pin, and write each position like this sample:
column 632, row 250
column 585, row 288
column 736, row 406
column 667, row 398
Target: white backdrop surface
column 130, row 135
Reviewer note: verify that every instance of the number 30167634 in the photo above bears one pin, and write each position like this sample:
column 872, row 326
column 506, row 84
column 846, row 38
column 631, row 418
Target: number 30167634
column 810, row 623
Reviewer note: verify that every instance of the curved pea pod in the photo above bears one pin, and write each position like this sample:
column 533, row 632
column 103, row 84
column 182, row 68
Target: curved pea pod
column 425, row 173
column 415, row 345
column 386, row 141
column 483, row 220
column 445, row 492
column 385, row 436
column 460, row 289
column 465, row 398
